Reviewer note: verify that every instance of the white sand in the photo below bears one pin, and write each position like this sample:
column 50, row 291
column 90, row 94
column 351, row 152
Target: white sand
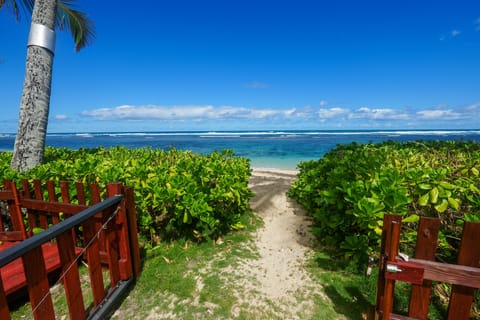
column 284, row 242
column 276, row 284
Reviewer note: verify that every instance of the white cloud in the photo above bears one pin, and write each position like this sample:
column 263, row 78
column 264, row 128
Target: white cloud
column 248, row 117
column 379, row 114
column 331, row 113
column 473, row 107
column 323, row 103
column 127, row 112
column 439, row 115
column 61, row 117
column 290, row 113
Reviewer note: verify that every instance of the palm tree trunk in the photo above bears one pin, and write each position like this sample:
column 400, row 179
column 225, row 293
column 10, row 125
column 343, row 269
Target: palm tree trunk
column 34, row 107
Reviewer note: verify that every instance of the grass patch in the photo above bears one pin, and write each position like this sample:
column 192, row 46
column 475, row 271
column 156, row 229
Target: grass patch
column 195, row 281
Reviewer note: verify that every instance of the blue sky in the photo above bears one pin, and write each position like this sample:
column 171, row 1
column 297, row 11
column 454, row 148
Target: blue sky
column 250, row 65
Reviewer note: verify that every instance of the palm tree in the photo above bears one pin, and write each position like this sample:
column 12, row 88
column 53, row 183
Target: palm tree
column 34, row 107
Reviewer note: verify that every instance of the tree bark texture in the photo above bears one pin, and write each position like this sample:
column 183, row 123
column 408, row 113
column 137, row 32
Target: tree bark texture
column 34, row 107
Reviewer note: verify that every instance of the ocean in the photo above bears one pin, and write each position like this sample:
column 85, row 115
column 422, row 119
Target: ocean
column 266, row 149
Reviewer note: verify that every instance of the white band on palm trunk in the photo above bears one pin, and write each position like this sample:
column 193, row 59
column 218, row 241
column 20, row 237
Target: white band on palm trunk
column 42, row 36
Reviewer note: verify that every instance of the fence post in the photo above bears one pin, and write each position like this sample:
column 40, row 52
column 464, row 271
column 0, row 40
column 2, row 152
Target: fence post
column 15, row 209
column 4, row 311
column 384, row 251
column 461, row 298
column 38, row 286
column 427, row 237
column 391, row 256
column 71, row 277
column 132, row 230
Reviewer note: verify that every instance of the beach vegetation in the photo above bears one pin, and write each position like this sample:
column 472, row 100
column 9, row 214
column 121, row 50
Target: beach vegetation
column 178, row 194
column 46, row 16
column 348, row 191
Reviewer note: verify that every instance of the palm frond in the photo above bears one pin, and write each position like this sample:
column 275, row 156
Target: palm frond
column 14, row 6
column 75, row 22
column 68, row 18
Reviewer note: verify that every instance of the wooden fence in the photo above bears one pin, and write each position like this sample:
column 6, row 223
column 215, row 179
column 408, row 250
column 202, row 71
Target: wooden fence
column 101, row 233
column 422, row 270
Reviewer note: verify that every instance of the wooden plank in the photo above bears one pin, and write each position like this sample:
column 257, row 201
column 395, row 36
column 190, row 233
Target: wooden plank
column 121, row 228
column 6, row 194
column 410, row 272
column 32, row 218
column 37, row 187
column 15, row 210
column 4, row 311
column 112, row 240
column 13, row 275
column 65, row 194
column 384, row 248
column 71, row 277
column 82, row 200
column 99, row 218
column 26, row 189
column 52, row 197
column 426, row 246
column 461, row 298
column 133, row 230
column 451, row 273
column 11, row 236
column 93, row 260
column 57, row 207
column 111, row 244
column 38, row 286
column 391, row 256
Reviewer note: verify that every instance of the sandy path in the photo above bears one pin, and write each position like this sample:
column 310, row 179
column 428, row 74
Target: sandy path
column 269, row 283
column 278, row 279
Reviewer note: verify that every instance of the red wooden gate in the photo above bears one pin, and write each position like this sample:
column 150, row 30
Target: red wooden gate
column 103, row 233
column 422, row 270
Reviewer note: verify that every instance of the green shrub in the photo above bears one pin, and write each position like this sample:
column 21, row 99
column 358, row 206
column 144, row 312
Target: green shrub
column 348, row 191
column 177, row 193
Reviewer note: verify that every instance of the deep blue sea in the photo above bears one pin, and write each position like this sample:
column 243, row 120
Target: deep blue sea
column 266, row 149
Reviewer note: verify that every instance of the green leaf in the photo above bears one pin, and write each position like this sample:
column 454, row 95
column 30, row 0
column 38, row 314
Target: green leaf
column 454, row 203
column 473, row 188
column 411, row 218
column 475, row 171
column 447, row 185
column 425, row 186
column 423, row 200
column 434, row 195
column 442, row 206
column 37, row 230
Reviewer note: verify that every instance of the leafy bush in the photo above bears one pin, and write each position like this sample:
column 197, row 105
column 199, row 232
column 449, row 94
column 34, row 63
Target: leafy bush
column 348, row 191
column 177, row 193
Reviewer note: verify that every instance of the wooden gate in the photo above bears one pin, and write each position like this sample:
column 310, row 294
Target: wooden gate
column 101, row 233
column 422, row 270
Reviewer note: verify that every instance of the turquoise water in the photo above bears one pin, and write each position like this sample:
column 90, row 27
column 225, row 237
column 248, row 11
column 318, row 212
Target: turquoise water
column 266, row 149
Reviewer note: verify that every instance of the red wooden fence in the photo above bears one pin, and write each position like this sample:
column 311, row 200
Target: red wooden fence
column 103, row 233
column 422, row 270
